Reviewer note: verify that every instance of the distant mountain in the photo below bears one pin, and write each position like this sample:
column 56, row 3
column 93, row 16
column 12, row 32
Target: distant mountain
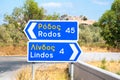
column 81, row 19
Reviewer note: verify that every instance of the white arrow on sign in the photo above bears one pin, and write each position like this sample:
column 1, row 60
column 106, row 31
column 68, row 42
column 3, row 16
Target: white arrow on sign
column 75, row 51
column 30, row 30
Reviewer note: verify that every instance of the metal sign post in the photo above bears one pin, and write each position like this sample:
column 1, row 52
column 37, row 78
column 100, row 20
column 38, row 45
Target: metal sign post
column 71, row 71
column 33, row 71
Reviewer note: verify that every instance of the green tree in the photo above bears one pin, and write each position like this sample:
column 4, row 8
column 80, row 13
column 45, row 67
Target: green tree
column 110, row 25
column 52, row 17
column 31, row 10
column 16, row 22
column 89, row 34
column 20, row 16
column 4, row 35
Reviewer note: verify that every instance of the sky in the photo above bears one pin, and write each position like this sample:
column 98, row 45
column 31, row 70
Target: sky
column 93, row 9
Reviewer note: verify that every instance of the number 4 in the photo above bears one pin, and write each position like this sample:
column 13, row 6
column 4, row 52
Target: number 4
column 68, row 30
column 61, row 51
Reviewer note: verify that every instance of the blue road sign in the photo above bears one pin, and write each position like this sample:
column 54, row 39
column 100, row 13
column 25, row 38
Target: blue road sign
column 51, row 30
column 53, row 51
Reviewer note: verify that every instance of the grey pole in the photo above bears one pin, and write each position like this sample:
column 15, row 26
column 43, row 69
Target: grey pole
column 71, row 71
column 33, row 71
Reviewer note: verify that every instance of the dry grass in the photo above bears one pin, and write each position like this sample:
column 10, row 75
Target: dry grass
column 24, row 74
column 93, row 49
column 98, row 49
column 53, row 72
column 112, row 66
column 12, row 50
column 22, row 50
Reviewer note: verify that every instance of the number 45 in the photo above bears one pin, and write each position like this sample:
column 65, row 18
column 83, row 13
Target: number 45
column 70, row 30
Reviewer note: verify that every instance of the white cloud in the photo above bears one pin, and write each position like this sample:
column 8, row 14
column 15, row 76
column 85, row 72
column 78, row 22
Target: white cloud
column 68, row 4
column 57, row 4
column 51, row 4
column 100, row 2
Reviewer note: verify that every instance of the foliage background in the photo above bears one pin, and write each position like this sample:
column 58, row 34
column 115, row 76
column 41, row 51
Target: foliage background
column 106, row 30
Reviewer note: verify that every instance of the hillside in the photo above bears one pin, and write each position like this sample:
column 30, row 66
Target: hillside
column 81, row 19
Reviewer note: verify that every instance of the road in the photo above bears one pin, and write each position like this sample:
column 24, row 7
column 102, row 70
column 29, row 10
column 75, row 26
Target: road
column 98, row 56
column 10, row 64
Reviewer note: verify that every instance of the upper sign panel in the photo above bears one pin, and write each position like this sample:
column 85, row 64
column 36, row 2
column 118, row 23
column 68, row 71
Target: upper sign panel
column 51, row 30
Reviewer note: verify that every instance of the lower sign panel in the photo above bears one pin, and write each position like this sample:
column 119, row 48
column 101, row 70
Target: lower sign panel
column 53, row 52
